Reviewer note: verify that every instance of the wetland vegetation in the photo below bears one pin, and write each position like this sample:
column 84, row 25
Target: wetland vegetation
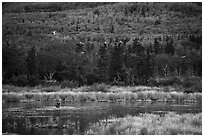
column 118, row 110
column 102, row 68
column 111, row 94
column 150, row 124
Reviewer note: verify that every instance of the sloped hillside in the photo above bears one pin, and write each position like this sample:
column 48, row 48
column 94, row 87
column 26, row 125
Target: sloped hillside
column 109, row 20
column 57, row 28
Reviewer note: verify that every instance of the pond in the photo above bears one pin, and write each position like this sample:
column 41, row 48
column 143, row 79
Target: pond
column 43, row 118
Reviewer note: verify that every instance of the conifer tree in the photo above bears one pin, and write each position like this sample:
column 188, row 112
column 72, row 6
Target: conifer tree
column 137, row 62
column 149, row 66
column 32, row 66
column 116, row 71
column 169, row 49
column 102, row 63
column 156, row 46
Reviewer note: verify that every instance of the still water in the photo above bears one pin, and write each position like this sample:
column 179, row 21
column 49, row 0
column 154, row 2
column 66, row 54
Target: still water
column 43, row 118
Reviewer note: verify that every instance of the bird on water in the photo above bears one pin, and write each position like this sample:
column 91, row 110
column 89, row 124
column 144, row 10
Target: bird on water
column 58, row 104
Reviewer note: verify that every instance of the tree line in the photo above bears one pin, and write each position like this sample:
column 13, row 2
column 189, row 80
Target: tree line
column 118, row 61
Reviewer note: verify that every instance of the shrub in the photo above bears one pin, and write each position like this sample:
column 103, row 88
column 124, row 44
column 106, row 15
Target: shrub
column 99, row 87
column 198, row 97
column 20, row 80
column 84, row 89
column 168, row 81
column 176, row 80
column 63, row 97
column 140, row 96
column 151, row 82
column 49, row 83
column 69, row 84
column 189, row 90
column 198, row 87
column 112, row 97
column 51, row 89
column 33, row 80
column 187, row 83
column 193, row 83
column 167, row 89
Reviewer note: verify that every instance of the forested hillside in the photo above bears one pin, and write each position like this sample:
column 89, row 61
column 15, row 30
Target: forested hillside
column 112, row 43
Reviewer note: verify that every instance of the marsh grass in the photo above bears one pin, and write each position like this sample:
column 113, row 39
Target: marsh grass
column 102, row 93
column 47, row 122
column 100, row 87
column 103, row 97
column 12, row 97
column 150, row 124
column 11, row 88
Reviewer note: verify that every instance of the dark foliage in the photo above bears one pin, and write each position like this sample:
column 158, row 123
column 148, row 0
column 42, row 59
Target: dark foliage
column 32, row 67
column 20, row 80
column 135, row 43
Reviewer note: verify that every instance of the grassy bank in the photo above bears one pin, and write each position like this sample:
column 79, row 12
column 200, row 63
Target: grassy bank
column 150, row 124
column 103, row 93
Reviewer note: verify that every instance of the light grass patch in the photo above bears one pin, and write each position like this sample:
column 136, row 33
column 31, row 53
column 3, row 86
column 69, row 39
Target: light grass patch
column 150, row 124
column 102, row 96
column 140, row 96
column 112, row 96
column 126, row 95
column 133, row 96
column 92, row 96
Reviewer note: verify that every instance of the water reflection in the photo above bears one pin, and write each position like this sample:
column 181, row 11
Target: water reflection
column 75, row 118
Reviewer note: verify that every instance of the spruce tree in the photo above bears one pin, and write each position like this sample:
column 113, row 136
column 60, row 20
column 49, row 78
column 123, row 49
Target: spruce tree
column 169, row 49
column 149, row 66
column 102, row 63
column 32, row 66
column 137, row 62
column 116, row 71
column 156, row 46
